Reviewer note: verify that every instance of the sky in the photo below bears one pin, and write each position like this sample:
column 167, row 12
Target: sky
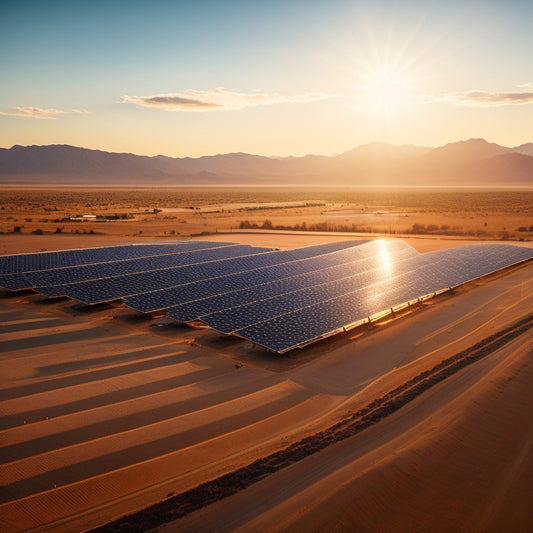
column 276, row 78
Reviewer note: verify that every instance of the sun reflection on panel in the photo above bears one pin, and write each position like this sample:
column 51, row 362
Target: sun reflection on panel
column 385, row 258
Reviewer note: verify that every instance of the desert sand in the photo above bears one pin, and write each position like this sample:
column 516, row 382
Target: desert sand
column 104, row 412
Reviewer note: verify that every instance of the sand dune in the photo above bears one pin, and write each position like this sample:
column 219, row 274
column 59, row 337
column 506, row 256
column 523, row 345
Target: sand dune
column 102, row 415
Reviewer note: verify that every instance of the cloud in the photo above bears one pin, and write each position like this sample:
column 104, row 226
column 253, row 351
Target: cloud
column 40, row 113
column 219, row 99
column 34, row 112
column 483, row 98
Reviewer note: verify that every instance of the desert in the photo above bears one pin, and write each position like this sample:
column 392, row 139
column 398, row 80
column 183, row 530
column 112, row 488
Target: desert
column 107, row 412
column 266, row 266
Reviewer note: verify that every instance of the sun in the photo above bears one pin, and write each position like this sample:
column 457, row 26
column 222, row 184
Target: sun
column 386, row 89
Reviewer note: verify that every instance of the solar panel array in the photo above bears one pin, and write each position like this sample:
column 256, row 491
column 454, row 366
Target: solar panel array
column 123, row 284
column 47, row 268
column 406, row 281
column 286, row 265
column 47, row 260
column 277, row 299
column 289, row 279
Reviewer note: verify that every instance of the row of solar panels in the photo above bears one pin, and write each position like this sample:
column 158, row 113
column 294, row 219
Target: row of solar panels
column 16, row 264
column 278, row 299
column 213, row 265
column 393, row 286
column 170, row 257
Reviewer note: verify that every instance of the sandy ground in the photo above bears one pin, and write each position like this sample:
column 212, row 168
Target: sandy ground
column 103, row 412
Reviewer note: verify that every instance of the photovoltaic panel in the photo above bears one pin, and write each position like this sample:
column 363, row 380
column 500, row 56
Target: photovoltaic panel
column 280, row 264
column 419, row 277
column 336, row 266
column 112, row 288
column 277, row 299
column 173, row 256
column 62, row 276
column 20, row 263
column 229, row 321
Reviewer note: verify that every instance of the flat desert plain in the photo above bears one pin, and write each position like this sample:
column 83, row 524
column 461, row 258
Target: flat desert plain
column 105, row 413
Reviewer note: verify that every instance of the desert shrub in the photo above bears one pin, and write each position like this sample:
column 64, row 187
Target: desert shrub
column 37, row 231
column 58, row 230
column 246, row 224
column 522, row 228
column 16, row 229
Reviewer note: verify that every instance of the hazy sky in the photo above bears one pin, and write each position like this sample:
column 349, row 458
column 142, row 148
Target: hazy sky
column 290, row 77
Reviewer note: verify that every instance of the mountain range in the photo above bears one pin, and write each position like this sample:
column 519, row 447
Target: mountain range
column 474, row 162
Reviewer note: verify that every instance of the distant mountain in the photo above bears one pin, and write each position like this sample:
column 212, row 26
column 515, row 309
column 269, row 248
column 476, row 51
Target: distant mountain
column 473, row 162
column 526, row 149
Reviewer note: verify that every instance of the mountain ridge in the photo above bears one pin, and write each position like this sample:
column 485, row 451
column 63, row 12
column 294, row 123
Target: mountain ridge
column 473, row 162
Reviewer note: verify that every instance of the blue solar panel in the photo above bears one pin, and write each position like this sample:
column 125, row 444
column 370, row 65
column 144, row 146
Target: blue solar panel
column 112, row 288
column 279, row 300
column 362, row 259
column 278, row 265
column 242, row 258
column 368, row 273
column 47, row 260
column 418, row 277
column 63, row 276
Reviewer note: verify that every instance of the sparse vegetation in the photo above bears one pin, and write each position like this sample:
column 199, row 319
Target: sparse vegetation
column 473, row 214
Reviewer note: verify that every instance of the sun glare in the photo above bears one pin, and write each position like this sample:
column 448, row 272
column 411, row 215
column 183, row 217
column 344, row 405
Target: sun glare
column 386, row 90
column 385, row 258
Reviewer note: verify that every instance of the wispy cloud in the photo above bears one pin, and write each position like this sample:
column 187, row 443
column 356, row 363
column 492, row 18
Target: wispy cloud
column 40, row 113
column 220, row 99
column 34, row 112
column 483, row 98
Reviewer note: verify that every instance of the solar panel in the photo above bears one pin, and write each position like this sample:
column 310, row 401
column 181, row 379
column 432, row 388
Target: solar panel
column 119, row 286
column 292, row 291
column 175, row 256
column 285, row 268
column 229, row 321
column 240, row 258
column 430, row 273
column 47, row 260
column 63, row 276
column 277, row 299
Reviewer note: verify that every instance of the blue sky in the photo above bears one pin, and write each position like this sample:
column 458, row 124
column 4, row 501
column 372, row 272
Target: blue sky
column 267, row 77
